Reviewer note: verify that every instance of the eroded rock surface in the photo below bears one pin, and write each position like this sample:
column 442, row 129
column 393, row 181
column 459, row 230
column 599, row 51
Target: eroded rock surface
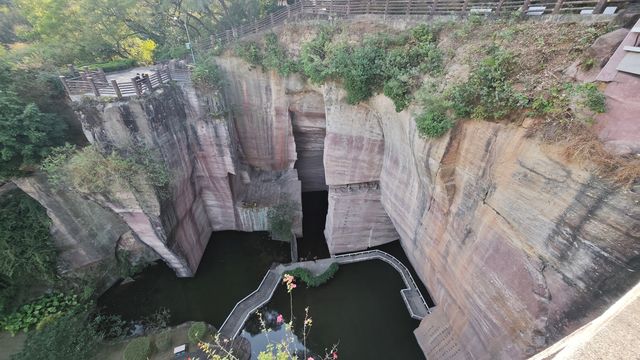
column 220, row 179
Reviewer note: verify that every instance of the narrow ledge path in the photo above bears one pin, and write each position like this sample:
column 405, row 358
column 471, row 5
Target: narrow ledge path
column 411, row 295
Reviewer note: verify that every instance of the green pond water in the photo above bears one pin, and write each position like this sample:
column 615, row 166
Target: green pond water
column 360, row 309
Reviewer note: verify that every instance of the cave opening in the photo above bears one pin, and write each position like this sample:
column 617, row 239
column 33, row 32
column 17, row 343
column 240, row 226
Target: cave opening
column 313, row 244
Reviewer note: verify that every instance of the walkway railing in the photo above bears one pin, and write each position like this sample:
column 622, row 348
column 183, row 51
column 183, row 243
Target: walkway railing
column 96, row 84
column 391, row 260
column 232, row 325
column 309, row 9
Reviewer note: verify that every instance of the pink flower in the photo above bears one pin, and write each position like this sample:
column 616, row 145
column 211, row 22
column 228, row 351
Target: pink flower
column 293, row 285
column 279, row 319
column 334, row 355
column 310, row 358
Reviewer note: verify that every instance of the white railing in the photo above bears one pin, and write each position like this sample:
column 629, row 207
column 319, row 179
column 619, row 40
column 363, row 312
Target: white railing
column 254, row 308
column 390, row 259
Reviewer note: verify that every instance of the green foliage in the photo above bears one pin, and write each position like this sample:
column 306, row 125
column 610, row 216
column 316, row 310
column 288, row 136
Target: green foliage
column 592, row 97
column 138, row 349
column 391, row 63
column 565, row 102
column 26, row 134
column 433, row 123
column 398, row 90
column 27, row 255
column 163, row 340
column 42, row 309
column 72, row 336
column 314, row 56
column 115, row 65
column 87, row 170
column 110, row 326
column 250, row 52
column 314, row 281
column 488, row 93
column 275, row 57
column 206, row 74
column 197, row 332
column 167, row 52
column 280, row 219
column 361, row 70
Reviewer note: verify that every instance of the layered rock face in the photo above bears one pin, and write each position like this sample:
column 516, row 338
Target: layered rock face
column 214, row 184
column 85, row 234
column 516, row 246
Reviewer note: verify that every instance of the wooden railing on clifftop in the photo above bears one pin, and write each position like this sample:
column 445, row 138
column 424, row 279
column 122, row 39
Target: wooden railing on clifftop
column 310, row 9
column 96, row 84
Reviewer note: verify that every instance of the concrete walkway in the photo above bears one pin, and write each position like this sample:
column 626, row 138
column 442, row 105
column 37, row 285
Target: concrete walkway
column 411, row 295
column 618, row 128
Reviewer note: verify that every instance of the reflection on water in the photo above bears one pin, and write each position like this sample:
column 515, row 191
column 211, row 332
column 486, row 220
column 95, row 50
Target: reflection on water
column 276, row 333
column 360, row 310
column 232, row 267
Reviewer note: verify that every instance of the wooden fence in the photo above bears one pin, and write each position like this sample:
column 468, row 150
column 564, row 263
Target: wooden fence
column 309, row 9
column 96, row 83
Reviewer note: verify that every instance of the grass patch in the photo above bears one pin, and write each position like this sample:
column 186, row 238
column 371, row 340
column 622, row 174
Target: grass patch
column 138, row 349
column 197, row 332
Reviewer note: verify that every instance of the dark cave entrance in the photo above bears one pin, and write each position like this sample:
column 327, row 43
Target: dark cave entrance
column 313, row 244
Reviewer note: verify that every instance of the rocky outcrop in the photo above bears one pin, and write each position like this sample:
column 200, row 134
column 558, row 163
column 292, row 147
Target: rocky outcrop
column 86, row 236
column 222, row 177
column 516, row 245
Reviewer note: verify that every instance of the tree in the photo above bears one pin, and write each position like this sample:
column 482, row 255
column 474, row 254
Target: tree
column 27, row 255
column 26, row 135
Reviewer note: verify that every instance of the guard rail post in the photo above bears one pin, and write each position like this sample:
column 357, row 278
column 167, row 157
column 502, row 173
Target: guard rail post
column 116, row 88
column 96, row 92
column 63, row 80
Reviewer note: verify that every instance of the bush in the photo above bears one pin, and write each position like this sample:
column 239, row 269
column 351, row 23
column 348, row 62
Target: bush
column 433, row 123
column 206, row 74
column 250, row 52
column 391, row 63
column 197, row 332
column 71, row 336
column 280, row 219
column 26, row 134
column 115, row 65
column 27, row 254
column 87, row 170
column 308, row 278
column 163, row 340
column 276, row 57
column 488, row 93
column 399, row 91
column 39, row 310
column 314, row 55
column 138, row 349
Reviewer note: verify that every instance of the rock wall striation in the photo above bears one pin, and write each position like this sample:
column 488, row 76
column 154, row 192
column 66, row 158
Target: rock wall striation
column 516, row 245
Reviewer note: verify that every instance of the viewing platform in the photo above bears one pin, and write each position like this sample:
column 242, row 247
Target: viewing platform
column 411, row 295
column 122, row 84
